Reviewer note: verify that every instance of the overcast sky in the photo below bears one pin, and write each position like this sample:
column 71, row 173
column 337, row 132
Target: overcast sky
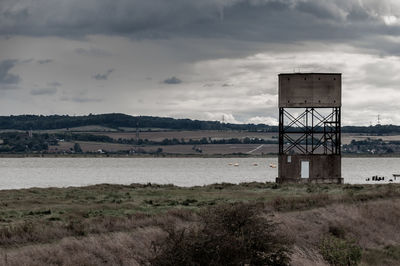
column 195, row 59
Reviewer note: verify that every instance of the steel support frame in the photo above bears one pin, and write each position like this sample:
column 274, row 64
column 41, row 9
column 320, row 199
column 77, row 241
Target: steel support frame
column 310, row 132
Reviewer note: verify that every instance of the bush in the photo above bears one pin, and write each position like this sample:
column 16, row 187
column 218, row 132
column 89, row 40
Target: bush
column 339, row 251
column 233, row 234
column 77, row 148
column 337, row 231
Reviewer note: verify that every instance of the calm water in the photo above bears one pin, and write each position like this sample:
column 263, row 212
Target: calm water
column 62, row 172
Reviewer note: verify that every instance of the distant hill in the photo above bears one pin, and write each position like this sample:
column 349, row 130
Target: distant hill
column 120, row 121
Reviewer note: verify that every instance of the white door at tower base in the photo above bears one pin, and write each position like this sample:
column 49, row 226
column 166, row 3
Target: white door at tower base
column 305, row 169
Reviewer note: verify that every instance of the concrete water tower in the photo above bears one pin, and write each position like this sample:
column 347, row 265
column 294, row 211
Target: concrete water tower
column 310, row 128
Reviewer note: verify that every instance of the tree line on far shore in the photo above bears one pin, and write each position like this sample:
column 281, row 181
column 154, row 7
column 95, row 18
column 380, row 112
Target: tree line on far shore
column 120, row 121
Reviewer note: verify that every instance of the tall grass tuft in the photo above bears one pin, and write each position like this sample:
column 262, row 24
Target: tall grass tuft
column 340, row 252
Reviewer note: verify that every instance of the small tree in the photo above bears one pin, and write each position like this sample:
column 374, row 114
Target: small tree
column 77, row 148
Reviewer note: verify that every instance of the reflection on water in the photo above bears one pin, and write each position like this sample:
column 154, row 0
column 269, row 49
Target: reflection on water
column 61, row 172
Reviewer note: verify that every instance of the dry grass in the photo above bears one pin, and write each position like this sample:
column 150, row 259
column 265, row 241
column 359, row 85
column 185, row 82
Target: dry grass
column 304, row 228
column 390, row 256
column 373, row 225
column 115, row 224
column 107, row 249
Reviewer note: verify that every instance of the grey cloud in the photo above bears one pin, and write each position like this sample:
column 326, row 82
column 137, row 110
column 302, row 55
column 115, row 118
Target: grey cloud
column 381, row 74
column 208, row 85
column 80, row 99
column 103, row 76
column 258, row 92
column 84, row 99
column 26, row 61
column 358, row 14
column 92, row 52
column 172, row 80
column 45, row 61
column 247, row 114
column 315, row 67
column 318, row 9
column 9, row 87
column 7, row 78
column 44, row 91
column 54, row 84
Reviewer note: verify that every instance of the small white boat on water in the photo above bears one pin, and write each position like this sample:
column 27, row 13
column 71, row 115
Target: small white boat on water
column 272, row 165
column 236, row 164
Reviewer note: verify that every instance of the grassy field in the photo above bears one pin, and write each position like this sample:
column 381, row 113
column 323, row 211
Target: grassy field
column 215, row 134
column 116, row 225
column 186, row 135
column 208, row 149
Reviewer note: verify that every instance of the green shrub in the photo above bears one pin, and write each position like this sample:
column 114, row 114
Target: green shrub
column 187, row 202
column 233, row 234
column 339, row 251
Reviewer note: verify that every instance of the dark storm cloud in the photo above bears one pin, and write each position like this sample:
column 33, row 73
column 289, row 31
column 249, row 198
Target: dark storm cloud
column 44, row 91
column 45, row 61
column 103, row 76
column 7, row 78
column 172, row 80
column 259, row 20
